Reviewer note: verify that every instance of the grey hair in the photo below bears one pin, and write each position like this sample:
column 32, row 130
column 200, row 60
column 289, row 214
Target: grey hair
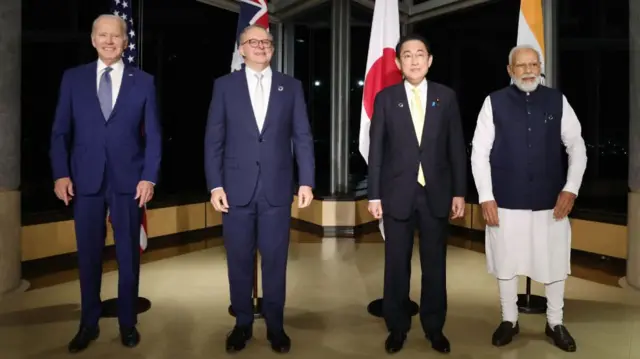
column 254, row 26
column 121, row 21
column 523, row 47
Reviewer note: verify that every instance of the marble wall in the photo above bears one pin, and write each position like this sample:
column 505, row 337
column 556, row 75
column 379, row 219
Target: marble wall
column 10, row 40
column 10, row 225
column 634, row 93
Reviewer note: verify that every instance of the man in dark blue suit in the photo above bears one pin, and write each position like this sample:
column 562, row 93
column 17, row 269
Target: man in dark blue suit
column 105, row 153
column 257, row 118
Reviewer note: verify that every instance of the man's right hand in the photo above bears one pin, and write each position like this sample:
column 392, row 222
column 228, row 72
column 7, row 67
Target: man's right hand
column 375, row 208
column 490, row 213
column 219, row 200
column 63, row 188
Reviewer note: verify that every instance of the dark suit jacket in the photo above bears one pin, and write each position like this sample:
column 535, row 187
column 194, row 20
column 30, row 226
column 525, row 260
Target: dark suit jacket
column 84, row 145
column 394, row 153
column 236, row 153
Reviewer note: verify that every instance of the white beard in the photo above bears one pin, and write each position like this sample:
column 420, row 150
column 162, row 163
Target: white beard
column 527, row 87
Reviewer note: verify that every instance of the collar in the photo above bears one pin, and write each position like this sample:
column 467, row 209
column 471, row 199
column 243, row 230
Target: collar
column 266, row 72
column 116, row 66
column 422, row 85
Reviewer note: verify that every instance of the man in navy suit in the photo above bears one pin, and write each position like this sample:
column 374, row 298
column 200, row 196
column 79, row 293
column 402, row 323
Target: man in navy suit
column 255, row 117
column 105, row 153
column 417, row 180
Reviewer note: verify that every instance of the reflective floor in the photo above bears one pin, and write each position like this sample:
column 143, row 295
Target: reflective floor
column 330, row 284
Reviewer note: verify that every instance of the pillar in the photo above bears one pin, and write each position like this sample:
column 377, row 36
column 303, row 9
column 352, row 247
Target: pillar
column 550, row 17
column 340, row 83
column 288, row 48
column 10, row 225
column 633, row 208
column 277, row 31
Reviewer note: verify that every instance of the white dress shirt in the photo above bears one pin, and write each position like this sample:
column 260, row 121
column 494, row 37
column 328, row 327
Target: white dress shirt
column 116, row 78
column 259, row 105
column 422, row 87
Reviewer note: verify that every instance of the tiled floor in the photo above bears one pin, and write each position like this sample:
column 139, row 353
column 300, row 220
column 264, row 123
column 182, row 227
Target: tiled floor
column 329, row 286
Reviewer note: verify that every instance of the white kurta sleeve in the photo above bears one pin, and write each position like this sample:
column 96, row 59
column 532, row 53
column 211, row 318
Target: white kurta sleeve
column 571, row 133
column 481, row 150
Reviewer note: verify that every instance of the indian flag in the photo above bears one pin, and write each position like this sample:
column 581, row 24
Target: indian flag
column 531, row 27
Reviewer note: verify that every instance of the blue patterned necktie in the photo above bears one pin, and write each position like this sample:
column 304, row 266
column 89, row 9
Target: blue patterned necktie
column 105, row 94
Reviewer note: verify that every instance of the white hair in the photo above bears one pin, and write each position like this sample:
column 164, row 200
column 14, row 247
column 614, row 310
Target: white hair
column 513, row 51
column 121, row 21
column 254, row 26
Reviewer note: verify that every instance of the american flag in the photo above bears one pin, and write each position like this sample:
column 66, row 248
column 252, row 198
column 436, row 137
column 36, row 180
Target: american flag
column 251, row 12
column 124, row 9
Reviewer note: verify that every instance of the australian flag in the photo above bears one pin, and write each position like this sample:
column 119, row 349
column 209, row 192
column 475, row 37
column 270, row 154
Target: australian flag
column 124, row 9
column 251, row 12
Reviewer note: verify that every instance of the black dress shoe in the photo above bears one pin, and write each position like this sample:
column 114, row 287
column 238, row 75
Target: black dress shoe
column 280, row 341
column 83, row 338
column 439, row 343
column 561, row 337
column 237, row 338
column 505, row 333
column 130, row 337
column 395, row 342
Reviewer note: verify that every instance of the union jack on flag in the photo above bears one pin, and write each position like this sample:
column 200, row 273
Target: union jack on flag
column 124, row 9
column 251, row 12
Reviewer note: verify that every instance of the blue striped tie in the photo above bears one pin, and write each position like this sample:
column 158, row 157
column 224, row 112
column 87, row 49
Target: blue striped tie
column 105, row 94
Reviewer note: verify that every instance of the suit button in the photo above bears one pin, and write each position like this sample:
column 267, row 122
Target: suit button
column 257, row 163
column 260, row 139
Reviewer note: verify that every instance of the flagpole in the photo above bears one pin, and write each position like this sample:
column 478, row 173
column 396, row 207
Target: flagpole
column 110, row 306
column 140, row 27
column 256, row 299
column 529, row 303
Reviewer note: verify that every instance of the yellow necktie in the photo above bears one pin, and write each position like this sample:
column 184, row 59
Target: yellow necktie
column 417, row 115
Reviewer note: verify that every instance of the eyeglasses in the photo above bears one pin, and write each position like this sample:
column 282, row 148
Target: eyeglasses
column 255, row 43
column 533, row 66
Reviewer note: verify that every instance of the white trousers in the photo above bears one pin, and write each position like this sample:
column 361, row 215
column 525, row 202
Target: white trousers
column 509, row 300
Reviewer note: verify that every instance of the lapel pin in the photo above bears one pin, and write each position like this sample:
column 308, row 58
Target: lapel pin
column 280, row 88
column 400, row 104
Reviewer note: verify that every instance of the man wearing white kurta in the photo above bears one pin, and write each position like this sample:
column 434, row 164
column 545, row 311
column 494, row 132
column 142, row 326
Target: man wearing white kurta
column 525, row 191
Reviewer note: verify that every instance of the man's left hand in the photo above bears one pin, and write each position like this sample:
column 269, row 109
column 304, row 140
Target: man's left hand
column 305, row 196
column 144, row 192
column 564, row 205
column 457, row 207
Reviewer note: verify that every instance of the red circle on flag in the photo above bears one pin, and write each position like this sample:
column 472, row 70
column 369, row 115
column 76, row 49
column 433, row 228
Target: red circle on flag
column 383, row 73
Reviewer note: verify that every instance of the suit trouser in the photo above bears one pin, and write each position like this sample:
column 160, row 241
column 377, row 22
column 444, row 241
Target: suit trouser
column 258, row 223
column 90, row 213
column 398, row 252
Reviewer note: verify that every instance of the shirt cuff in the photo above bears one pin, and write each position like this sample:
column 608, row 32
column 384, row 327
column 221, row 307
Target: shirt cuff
column 485, row 197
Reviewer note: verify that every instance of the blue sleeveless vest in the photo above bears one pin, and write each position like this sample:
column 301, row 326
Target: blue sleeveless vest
column 528, row 157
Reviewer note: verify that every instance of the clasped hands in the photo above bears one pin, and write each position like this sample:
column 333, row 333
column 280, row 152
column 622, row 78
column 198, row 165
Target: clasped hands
column 220, row 203
column 564, row 205
column 457, row 208
column 63, row 188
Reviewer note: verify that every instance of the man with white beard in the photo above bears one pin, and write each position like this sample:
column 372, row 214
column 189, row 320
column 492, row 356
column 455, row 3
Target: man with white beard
column 526, row 192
